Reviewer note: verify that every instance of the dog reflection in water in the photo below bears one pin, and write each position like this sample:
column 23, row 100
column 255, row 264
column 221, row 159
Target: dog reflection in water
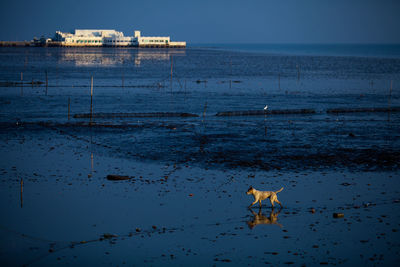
column 259, row 218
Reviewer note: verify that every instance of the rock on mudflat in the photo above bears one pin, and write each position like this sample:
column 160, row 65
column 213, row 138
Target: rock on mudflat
column 115, row 177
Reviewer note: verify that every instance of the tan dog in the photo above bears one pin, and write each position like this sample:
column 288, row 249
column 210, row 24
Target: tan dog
column 261, row 195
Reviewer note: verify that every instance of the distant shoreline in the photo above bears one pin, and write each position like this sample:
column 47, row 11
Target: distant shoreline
column 58, row 44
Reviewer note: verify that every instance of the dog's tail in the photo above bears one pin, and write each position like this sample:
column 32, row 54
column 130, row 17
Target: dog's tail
column 279, row 190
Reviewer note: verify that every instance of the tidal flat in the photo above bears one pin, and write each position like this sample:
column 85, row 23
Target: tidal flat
column 183, row 197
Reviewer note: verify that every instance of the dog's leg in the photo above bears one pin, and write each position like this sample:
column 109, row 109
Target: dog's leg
column 275, row 199
column 255, row 201
column 279, row 202
column 271, row 199
column 259, row 203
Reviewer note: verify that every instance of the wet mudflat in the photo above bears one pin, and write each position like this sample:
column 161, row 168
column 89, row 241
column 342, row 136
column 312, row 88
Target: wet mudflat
column 182, row 200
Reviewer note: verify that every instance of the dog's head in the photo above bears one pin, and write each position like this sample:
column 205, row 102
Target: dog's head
column 250, row 191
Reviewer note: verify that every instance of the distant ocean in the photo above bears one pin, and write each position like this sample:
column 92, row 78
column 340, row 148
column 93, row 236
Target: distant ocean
column 360, row 50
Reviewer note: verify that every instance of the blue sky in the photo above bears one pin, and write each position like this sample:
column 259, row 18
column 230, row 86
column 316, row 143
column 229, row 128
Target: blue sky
column 207, row 21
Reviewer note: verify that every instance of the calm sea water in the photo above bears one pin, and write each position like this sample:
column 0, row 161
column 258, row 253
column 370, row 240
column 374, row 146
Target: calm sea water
column 359, row 50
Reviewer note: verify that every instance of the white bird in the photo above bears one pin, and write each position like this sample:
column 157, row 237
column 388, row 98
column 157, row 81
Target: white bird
column 266, row 107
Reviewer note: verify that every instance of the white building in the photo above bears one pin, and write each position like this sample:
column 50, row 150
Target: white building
column 111, row 38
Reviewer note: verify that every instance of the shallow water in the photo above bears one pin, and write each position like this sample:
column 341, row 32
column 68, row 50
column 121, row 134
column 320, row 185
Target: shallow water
column 190, row 175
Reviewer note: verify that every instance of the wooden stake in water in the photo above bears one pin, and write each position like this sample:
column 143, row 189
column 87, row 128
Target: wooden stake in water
column 91, row 163
column 230, row 80
column 204, row 111
column 185, row 90
column 265, row 120
column 69, row 104
column 47, row 82
column 279, row 81
column 172, row 65
column 91, row 99
column 123, row 73
column 123, row 85
column 22, row 83
column 298, row 73
column 390, row 96
column 22, row 190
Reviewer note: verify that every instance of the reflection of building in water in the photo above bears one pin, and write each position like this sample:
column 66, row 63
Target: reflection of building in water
column 259, row 218
column 94, row 58
column 156, row 55
column 111, row 38
column 105, row 57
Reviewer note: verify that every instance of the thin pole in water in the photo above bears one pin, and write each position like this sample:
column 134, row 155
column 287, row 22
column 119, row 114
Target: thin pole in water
column 91, row 164
column 47, row 82
column 265, row 120
column 204, row 111
column 22, row 190
column 123, row 73
column 22, row 83
column 69, row 106
column 230, row 80
column 390, row 96
column 279, row 81
column 91, row 100
column 172, row 65
column 298, row 73
column 185, row 89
